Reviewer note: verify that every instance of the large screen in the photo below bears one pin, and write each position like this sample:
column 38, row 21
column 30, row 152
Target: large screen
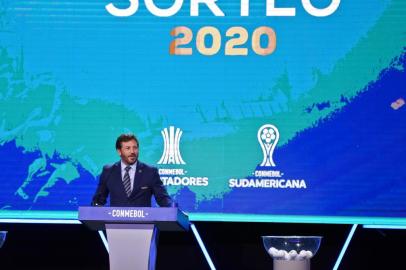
column 251, row 110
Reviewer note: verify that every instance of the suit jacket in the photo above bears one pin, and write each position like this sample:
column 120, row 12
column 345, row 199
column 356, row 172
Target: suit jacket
column 146, row 183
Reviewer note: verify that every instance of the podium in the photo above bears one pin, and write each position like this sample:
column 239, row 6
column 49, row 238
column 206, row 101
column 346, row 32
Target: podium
column 132, row 232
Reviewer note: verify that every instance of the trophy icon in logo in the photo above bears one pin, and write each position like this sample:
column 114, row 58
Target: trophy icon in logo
column 171, row 154
column 268, row 136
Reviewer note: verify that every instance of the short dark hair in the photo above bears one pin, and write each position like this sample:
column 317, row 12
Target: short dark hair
column 125, row 137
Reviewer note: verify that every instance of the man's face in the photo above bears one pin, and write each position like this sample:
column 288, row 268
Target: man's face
column 128, row 152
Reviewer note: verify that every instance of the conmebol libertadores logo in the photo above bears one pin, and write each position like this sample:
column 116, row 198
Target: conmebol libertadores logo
column 171, row 174
column 171, row 154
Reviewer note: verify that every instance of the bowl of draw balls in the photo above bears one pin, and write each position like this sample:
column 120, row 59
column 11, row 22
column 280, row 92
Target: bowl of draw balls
column 291, row 248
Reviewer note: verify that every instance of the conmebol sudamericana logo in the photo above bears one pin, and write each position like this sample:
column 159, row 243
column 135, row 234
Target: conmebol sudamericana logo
column 268, row 136
column 171, row 154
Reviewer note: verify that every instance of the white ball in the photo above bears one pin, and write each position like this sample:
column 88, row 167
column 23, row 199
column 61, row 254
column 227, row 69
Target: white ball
column 302, row 254
column 272, row 251
column 309, row 254
column 293, row 253
column 281, row 253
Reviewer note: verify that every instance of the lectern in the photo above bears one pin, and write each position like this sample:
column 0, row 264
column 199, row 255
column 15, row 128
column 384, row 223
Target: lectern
column 132, row 232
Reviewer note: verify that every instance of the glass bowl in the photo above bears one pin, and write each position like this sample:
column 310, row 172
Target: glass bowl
column 291, row 247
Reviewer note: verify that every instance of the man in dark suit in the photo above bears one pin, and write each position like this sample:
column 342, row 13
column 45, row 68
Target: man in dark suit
column 130, row 182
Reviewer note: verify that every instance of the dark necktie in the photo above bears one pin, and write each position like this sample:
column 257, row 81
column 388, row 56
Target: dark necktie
column 127, row 181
